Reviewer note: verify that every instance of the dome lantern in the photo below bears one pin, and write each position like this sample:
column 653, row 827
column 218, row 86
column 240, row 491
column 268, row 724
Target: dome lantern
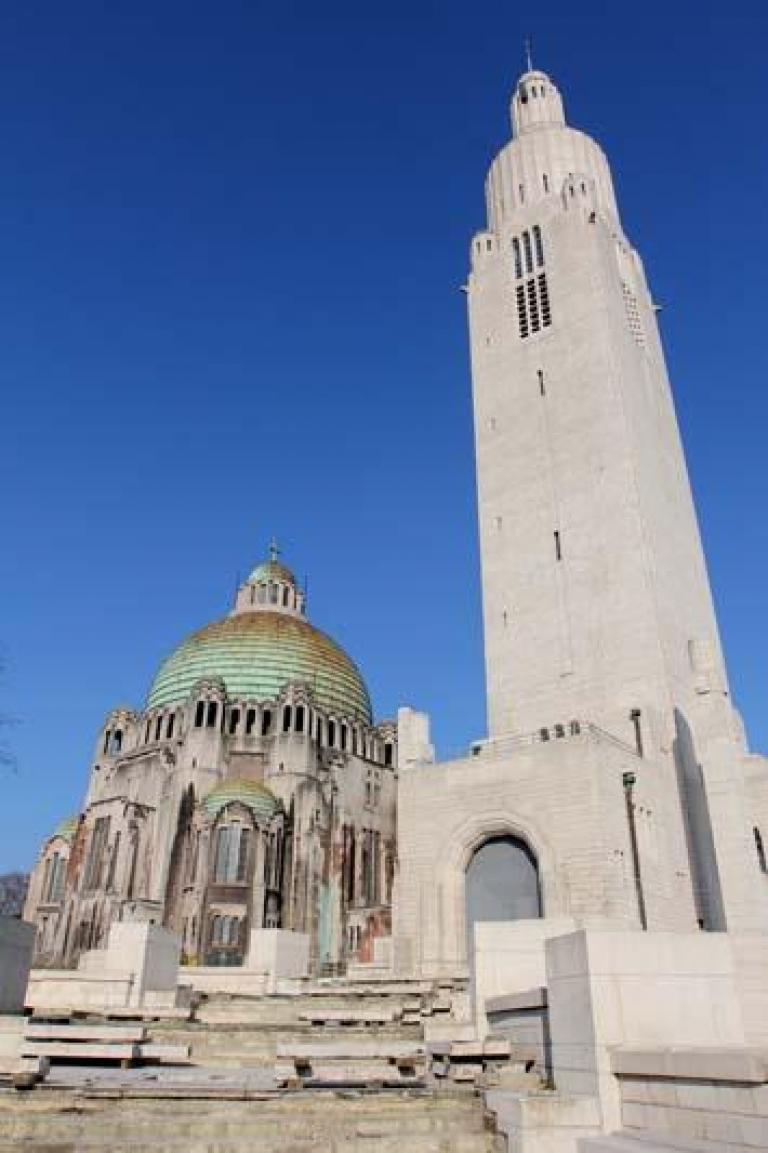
column 271, row 587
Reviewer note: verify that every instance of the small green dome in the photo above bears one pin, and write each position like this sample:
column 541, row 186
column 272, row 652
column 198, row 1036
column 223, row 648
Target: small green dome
column 271, row 570
column 256, row 654
column 66, row 829
column 255, row 796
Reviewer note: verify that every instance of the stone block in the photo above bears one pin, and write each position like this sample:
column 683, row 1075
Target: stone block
column 279, row 953
column 127, row 1034
column 17, row 940
column 509, row 962
column 80, row 1051
column 635, row 989
column 149, row 952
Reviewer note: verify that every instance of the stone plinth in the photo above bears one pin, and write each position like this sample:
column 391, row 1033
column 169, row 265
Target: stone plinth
column 509, row 958
column 638, row 989
column 17, row 939
column 279, row 953
column 150, row 952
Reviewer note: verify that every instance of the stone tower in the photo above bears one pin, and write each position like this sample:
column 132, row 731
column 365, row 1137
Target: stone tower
column 596, row 599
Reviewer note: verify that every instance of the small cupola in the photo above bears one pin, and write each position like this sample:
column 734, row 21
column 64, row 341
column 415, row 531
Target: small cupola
column 271, row 587
column 536, row 104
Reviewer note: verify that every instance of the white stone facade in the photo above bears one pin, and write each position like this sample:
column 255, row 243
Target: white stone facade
column 615, row 753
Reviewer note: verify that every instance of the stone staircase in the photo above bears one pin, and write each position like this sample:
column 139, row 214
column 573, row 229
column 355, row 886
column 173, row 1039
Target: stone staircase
column 233, row 1094
column 54, row 1122
column 234, row 1032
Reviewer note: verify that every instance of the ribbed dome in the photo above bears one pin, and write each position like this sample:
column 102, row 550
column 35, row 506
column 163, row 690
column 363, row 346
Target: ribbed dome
column 256, row 654
column 252, row 794
column 271, row 570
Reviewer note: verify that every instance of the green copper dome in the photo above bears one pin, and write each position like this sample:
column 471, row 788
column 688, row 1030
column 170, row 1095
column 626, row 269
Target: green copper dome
column 256, row 654
column 66, row 829
column 252, row 794
column 271, row 570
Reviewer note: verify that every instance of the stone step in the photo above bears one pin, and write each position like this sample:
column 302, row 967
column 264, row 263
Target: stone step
column 129, row 1034
column 117, row 1013
column 312, row 1143
column 129, row 1123
column 350, row 1049
column 351, row 1073
column 155, row 1052
column 82, row 1051
column 349, row 1016
column 651, row 1142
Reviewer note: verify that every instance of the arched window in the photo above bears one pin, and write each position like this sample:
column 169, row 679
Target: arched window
column 199, row 714
column 299, row 718
column 158, row 728
column 331, row 734
column 234, row 720
column 266, row 722
column 250, row 722
column 146, row 732
column 231, row 855
column 287, row 718
column 760, row 848
column 213, row 712
column 389, row 753
column 343, row 736
column 502, row 883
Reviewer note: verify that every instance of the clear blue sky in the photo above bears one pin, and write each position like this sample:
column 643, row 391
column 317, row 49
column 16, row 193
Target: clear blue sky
column 231, row 241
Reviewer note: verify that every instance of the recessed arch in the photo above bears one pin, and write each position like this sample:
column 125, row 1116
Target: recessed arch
column 502, row 881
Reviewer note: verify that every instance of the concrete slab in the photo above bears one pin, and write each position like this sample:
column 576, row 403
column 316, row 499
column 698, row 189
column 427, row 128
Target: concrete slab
column 126, row 1034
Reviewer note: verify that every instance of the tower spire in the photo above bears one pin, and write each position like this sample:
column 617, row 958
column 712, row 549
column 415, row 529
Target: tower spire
column 528, row 54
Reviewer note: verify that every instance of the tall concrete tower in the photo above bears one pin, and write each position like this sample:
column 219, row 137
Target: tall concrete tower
column 596, row 598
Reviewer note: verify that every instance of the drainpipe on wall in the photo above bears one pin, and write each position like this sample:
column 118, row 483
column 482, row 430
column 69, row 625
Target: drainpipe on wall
column 628, row 781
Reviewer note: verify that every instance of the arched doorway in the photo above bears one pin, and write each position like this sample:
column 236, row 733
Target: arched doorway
column 502, row 883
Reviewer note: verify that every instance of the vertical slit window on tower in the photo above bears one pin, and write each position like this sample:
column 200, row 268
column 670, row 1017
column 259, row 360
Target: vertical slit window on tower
column 537, row 243
column 528, row 252
column 545, row 180
column 518, row 257
column 558, row 547
column 540, row 377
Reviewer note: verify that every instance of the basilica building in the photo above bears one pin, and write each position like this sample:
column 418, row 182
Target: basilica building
column 614, row 789
column 253, row 790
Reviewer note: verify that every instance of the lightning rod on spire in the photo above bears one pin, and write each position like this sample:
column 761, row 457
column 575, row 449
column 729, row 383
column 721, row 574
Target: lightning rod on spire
column 528, row 54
